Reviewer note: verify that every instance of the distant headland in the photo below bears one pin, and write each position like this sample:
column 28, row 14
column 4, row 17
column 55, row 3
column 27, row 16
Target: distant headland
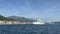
column 22, row 20
column 16, row 20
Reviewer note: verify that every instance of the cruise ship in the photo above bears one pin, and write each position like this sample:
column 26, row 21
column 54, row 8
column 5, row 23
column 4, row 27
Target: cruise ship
column 39, row 22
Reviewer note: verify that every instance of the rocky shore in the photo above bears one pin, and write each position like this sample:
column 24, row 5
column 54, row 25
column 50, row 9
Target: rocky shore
column 14, row 22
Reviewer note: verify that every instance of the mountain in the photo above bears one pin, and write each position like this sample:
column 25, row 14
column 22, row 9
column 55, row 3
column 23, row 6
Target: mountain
column 2, row 18
column 22, row 19
column 17, row 18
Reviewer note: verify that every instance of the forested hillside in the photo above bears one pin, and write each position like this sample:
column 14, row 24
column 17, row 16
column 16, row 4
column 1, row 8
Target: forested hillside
column 17, row 18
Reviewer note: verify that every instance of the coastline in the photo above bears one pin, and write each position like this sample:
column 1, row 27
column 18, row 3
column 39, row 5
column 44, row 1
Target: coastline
column 13, row 22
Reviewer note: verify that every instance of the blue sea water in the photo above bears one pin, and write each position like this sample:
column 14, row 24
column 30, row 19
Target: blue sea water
column 30, row 29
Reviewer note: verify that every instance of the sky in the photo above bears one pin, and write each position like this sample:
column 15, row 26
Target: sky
column 47, row 10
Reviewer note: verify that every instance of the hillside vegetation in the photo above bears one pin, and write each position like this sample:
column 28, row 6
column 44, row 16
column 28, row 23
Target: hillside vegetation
column 16, row 18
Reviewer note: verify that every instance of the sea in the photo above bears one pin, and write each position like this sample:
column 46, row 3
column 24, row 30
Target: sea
column 30, row 29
